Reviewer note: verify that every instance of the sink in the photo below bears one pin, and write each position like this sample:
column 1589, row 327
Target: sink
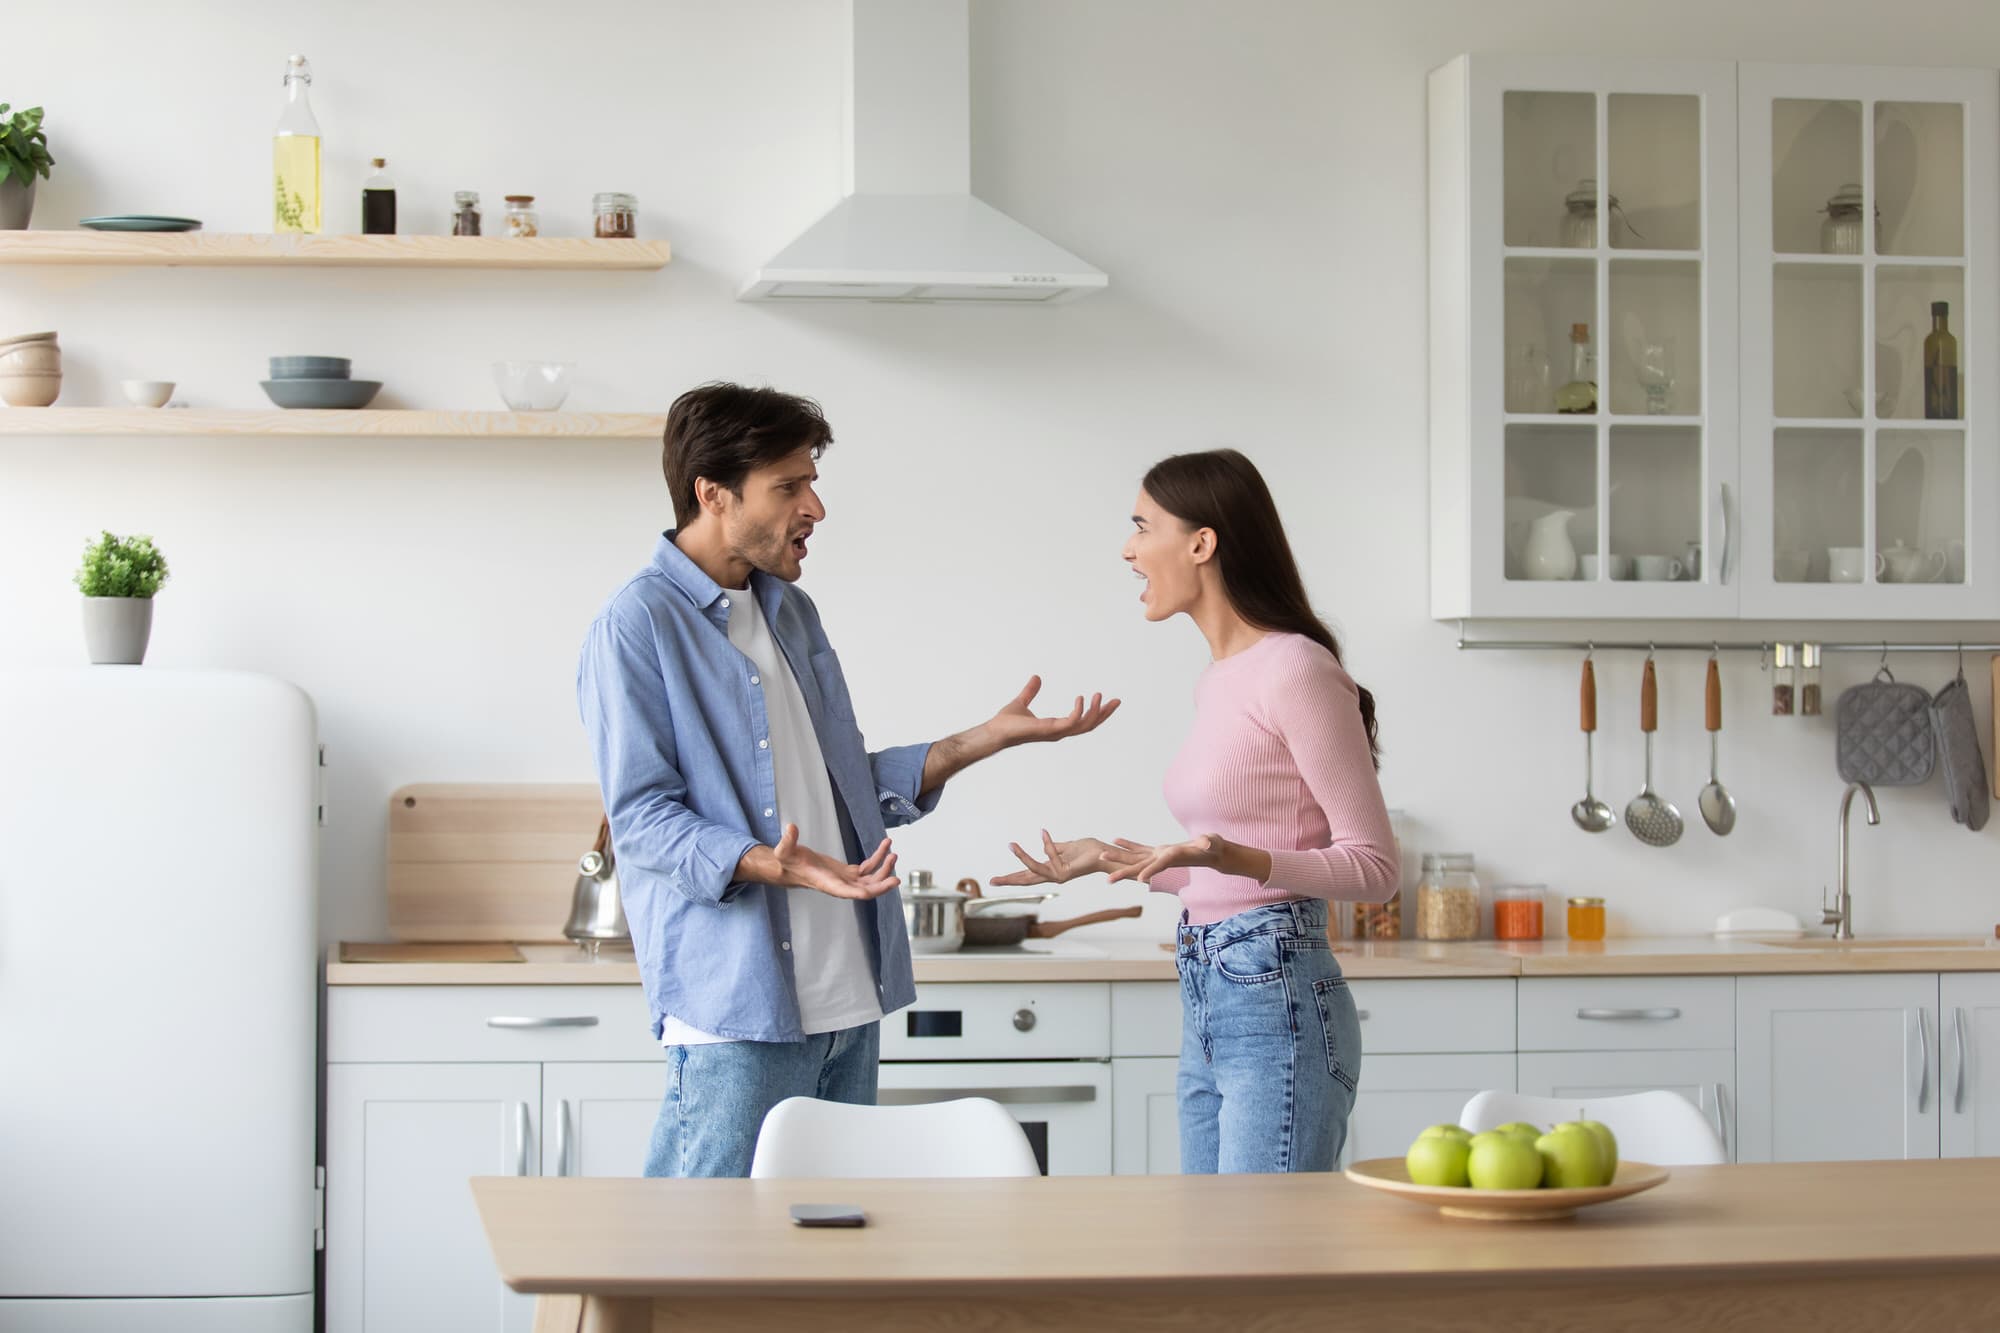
column 1964, row 942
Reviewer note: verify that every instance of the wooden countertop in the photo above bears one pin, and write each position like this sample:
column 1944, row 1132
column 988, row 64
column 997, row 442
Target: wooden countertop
column 1320, row 1237
column 1086, row 957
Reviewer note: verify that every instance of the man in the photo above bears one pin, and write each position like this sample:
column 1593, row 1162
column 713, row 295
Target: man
column 749, row 820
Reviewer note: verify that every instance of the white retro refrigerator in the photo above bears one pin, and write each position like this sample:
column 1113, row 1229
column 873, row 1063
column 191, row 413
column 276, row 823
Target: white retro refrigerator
column 158, row 834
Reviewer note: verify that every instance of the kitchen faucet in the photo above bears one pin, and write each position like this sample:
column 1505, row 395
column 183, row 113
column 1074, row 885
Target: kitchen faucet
column 1841, row 915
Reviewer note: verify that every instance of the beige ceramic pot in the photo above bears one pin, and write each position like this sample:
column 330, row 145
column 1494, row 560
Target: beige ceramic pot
column 38, row 390
column 31, row 358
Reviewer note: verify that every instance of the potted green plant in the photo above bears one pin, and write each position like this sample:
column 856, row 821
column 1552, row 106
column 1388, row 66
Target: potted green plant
column 119, row 576
column 24, row 155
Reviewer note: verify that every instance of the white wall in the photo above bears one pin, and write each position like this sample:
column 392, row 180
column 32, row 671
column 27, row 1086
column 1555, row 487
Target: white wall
column 1250, row 174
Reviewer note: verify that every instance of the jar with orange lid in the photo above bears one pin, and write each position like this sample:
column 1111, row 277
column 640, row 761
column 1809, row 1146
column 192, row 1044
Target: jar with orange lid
column 1586, row 918
column 1517, row 912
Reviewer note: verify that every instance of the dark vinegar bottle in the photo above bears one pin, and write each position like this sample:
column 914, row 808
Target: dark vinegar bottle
column 378, row 202
column 1940, row 367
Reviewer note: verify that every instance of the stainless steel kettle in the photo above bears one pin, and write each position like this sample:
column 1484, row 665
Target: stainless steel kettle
column 596, row 916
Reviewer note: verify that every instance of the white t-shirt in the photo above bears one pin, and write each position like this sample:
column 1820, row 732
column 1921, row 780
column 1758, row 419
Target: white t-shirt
column 836, row 985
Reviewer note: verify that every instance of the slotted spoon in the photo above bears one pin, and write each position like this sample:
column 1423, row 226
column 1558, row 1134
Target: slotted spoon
column 1653, row 820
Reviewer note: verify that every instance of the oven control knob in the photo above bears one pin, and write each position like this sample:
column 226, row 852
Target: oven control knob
column 1024, row 1020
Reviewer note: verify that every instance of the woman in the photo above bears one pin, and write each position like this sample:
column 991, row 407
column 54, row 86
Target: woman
column 1279, row 774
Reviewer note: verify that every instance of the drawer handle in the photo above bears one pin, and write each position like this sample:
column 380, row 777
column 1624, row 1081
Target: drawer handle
column 558, row 1021
column 1066, row 1092
column 1659, row 1015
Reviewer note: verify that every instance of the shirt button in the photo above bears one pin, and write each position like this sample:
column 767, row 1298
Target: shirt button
column 725, row 603
column 763, row 745
column 756, row 680
column 767, row 812
column 786, row 944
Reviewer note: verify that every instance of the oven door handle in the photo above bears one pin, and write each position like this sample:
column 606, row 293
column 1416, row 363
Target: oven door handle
column 1041, row 1096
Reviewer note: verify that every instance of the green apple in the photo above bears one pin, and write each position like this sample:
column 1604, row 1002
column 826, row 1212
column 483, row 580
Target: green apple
column 1446, row 1132
column 1523, row 1128
column 1609, row 1142
column 1438, row 1159
column 1572, row 1157
column 1501, row 1161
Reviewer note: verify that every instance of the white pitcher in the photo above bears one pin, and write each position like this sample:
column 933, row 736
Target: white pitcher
column 1549, row 553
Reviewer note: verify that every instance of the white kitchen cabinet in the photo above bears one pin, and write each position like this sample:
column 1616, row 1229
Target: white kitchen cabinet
column 1837, row 1068
column 1858, row 495
column 1970, row 1041
column 1599, row 194
column 1401, row 1094
column 405, row 1252
column 1145, row 1116
column 1705, row 1078
column 600, row 1116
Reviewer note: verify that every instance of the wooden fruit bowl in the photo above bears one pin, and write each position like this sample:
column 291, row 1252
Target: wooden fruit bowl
column 1538, row 1205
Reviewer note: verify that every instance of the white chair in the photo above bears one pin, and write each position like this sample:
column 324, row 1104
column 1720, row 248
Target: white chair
column 972, row 1136
column 1663, row 1128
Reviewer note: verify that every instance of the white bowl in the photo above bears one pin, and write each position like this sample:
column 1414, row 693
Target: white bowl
column 532, row 386
column 147, row 393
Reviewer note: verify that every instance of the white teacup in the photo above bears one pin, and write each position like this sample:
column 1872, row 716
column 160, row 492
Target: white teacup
column 1845, row 564
column 1658, row 568
column 1906, row 564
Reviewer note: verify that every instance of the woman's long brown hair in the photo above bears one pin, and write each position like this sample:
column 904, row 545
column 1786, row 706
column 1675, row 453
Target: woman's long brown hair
column 1222, row 490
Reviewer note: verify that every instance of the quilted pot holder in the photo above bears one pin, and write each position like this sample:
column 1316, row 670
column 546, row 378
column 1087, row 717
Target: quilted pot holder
column 1958, row 752
column 1883, row 733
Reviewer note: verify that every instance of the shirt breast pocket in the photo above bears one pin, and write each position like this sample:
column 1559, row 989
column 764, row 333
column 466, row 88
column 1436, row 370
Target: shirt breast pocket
column 832, row 686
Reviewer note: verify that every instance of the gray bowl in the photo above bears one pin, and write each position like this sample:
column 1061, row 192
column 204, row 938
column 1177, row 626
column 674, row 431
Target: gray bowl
column 310, row 393
column 311, row 367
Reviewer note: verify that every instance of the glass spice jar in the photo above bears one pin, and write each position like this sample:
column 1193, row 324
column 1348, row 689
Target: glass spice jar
column 1448, row 898
column 617, row 215
column 1517, row 912
column 1586, row 918
column 465, row 213
column 1782, row 682
column 1809, row 701
column 521, row 219
column 1840, row 233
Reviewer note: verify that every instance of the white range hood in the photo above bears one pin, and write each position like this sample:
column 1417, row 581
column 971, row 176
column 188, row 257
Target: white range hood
column 910, row 229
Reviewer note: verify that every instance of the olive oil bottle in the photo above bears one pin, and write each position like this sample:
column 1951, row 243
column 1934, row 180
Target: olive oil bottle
column 1580, row 394
column 1940, row 367
column 295, row 156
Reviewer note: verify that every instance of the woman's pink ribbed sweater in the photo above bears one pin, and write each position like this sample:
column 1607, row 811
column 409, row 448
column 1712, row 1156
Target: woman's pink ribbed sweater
column 1278, row 759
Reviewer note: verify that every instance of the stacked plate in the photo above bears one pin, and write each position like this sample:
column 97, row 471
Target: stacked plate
column 30, row 369
column 317, row 382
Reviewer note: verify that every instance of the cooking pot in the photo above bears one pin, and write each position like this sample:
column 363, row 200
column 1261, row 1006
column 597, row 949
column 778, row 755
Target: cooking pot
column 596, row 915
column 934, row 917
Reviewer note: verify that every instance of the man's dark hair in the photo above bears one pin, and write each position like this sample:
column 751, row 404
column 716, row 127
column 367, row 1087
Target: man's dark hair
column 724, row 432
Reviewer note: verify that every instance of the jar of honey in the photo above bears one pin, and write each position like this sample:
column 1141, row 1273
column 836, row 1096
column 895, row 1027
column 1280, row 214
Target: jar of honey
column 1517, row 912
column 1586, row 918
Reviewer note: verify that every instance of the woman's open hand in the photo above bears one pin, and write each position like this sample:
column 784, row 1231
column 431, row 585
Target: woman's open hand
column 1136, row 860
column 1066, row 861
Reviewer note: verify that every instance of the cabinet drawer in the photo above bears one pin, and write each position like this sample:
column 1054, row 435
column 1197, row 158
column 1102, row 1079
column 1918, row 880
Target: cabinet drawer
column 990, row 1020
column 1627, row 1013
column 1422, row 1017
column 454, row 1023
column 1146, row 1018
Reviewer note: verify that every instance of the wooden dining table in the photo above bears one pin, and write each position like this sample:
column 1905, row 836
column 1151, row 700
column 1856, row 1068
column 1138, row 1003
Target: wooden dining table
column 1821, row 1246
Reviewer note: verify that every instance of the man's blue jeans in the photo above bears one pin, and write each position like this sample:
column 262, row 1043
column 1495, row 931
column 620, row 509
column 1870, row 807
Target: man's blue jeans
column 718, row 1094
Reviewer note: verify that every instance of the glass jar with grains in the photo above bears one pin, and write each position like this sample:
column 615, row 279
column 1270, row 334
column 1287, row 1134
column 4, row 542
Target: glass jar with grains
column 521, row 219
column 617, row 215
column 1448, row 898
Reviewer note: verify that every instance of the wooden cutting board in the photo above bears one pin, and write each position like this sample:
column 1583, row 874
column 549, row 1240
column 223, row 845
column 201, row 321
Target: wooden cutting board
column 457, row 952
column 487, row 861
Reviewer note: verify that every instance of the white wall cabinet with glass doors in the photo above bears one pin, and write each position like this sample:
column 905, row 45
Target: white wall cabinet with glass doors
column 1591, row 199
column 1868, row 204
column 1751, row 451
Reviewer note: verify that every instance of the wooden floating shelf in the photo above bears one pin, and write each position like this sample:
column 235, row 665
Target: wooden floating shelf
column 202, row 249
column 391, row 423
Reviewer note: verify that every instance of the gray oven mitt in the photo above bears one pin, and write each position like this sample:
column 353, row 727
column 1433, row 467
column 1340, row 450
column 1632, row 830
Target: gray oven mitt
column 1883, row 734
column 1958, row 753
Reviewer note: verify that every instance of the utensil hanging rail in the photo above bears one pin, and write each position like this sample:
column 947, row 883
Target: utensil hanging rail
column 1877, row 647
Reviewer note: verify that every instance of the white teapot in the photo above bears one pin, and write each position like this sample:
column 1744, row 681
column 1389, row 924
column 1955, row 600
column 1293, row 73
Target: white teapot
column 1906, row 564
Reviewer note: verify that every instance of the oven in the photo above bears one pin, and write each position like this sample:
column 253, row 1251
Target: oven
column 1042, row 1051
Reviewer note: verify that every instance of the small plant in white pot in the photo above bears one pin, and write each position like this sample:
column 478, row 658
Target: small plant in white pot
column 119, row 576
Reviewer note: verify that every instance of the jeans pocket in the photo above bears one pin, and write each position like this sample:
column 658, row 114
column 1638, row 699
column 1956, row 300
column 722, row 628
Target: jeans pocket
column 1341, row 1027
column 1251, row 960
